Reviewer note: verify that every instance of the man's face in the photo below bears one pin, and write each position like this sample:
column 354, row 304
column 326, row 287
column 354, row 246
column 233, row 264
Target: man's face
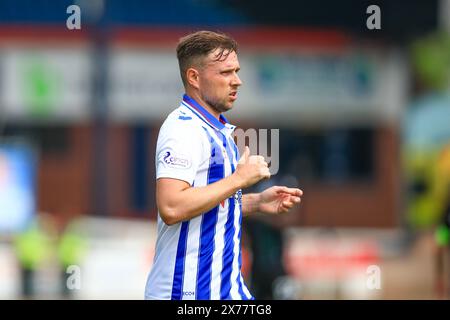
column 218, row 80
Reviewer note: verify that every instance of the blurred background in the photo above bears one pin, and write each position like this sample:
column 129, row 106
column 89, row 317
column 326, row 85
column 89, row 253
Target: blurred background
column 364, row 130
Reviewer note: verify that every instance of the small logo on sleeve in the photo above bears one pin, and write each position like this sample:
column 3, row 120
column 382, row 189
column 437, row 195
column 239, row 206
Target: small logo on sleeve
column 176, row 161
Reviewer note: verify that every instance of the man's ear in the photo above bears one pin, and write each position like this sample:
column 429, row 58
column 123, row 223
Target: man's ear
column 192, row 77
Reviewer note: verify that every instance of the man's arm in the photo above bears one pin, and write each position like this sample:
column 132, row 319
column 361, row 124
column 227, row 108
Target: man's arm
column 250, row 203
column 177, row 201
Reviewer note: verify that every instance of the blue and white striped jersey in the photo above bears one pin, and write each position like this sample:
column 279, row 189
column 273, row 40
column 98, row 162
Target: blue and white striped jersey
column 200, row 258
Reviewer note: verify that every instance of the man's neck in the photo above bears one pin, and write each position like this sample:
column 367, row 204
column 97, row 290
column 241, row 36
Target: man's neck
column 194, row 95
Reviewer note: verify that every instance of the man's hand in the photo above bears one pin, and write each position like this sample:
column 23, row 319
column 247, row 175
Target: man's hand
column 251, row 169
column 277, row 199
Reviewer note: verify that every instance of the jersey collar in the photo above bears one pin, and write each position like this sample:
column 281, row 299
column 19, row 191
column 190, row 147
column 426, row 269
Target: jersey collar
column 217, row 124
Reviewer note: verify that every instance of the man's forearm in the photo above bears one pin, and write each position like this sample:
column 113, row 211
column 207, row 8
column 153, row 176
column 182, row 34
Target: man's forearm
column 194, row 201
column 250, row 203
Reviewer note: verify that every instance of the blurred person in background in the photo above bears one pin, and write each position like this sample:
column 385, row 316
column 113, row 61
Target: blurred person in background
column 265, row 239
column 199, row 181
column 427, row 150
column 442, row 232
column 33, row 247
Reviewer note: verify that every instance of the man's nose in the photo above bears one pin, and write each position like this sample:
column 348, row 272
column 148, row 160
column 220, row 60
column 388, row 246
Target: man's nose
column 237, row 81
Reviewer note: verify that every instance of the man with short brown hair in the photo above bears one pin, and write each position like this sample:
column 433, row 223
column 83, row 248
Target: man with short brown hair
column 199, row 181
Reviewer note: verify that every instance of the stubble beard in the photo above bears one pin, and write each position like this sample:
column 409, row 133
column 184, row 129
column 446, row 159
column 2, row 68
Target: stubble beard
column 218, row 106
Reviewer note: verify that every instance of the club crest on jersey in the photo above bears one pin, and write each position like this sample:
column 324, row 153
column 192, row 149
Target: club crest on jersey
column 238, row 196
column 176, row 161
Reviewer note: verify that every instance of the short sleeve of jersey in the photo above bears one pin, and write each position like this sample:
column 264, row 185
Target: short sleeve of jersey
column 179, row 151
